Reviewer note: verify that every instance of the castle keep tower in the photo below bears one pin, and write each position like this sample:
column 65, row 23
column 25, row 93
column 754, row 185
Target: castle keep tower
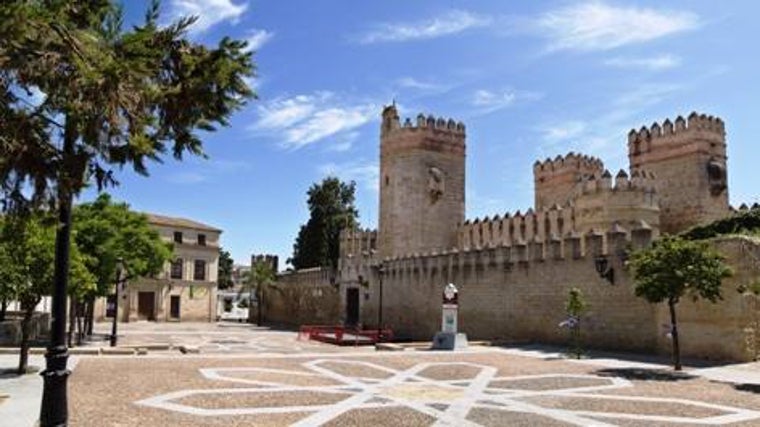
column 555, row 180
column 421, row 183
column 689, row 164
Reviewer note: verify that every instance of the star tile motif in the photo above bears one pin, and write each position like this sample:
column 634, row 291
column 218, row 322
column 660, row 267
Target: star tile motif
column 325, row 389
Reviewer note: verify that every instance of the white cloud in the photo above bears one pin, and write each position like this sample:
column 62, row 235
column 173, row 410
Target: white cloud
column 449, row 23
column 209, row 12
column 487, row 98
column 412, row 83
column 258, row 38
column 604, row 131
column 304, row 119
column 654, row 63
column 595, row 25
column 488, row 101
column 563, row 131
column 344, row 142
column 365, row 173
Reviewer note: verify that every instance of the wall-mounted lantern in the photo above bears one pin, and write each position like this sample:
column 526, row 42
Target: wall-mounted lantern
column 604, row 269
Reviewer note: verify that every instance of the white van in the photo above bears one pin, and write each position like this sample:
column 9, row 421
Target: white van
column 233, row 306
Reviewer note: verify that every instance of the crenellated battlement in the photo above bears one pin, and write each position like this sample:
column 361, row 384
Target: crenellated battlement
column 556, row 180
column 506, row 256
column 681, row 131
column 272, row 261
column 570, row 161
column 596, row 202
column 639, row 181
column 688, row 156
column 357, row 241
column 392, row 123
column 516, row 228
column 602, row 201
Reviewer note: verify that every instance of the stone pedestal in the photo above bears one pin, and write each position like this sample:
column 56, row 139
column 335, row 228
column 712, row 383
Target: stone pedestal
column 449, row 341
column 448, row 338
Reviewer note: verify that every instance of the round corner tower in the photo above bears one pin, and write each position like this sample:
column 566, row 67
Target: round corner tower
column 422, row 173
column 688, row 159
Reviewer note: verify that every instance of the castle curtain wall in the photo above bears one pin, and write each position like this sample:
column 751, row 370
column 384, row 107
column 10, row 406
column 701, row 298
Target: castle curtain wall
column 518, row 293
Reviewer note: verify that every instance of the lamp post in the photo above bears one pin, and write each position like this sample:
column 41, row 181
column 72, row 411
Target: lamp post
column 120, row 268
column 380, row 274
column 119, row 282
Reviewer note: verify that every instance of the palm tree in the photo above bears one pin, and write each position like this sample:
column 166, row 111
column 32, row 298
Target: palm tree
column 260, row 274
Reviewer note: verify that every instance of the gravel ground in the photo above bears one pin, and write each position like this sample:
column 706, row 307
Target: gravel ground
column 397, row 417
column 489, row 417
column 103, row 390
column 258, row 400
column 549, row 383
column 630, row 407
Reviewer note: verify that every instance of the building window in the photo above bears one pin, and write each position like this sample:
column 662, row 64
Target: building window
column 176, row 272
column 177, row 237
column 200, row 270
column 202, row 239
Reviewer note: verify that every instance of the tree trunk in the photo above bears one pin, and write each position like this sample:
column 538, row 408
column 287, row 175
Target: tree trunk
column 78, row 318
column 70, row 332
column 250, row 305
column 674, row 335
column 3, row 309
column 90, row 315
column 260, row 304
column 23, row 354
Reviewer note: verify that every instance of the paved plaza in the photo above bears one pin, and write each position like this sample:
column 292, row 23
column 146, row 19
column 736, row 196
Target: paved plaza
column 244, row 375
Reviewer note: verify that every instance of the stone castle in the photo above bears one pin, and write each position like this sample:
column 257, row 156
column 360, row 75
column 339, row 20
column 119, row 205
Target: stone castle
column 514, row 270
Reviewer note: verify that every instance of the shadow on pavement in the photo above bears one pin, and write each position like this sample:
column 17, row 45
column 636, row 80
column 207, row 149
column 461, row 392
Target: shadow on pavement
column 645, row 374
column 750, row 388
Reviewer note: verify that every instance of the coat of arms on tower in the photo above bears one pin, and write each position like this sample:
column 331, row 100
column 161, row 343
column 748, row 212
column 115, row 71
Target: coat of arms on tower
column 716, row 174
column 436, row 184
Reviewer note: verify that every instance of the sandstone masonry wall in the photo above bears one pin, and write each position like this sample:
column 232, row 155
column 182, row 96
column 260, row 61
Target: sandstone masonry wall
column 302, row 297
column 422, row 172
column 555, row 180
column 689, row 161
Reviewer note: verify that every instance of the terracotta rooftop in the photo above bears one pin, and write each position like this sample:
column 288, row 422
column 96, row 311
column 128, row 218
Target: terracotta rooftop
column 179, row 222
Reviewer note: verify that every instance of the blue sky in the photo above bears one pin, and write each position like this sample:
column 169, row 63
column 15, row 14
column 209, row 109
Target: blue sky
column 529, row 79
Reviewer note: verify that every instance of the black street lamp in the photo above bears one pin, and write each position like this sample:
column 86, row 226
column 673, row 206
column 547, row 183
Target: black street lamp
column 380, row 274
column 120, row 269
column 54, row 410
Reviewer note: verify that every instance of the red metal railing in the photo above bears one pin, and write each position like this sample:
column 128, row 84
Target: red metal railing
column 343, row 335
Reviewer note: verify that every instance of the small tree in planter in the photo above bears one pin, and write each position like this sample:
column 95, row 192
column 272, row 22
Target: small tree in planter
column 574, row 308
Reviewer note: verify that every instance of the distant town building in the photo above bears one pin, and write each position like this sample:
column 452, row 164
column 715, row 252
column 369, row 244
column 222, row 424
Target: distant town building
column 186, row 289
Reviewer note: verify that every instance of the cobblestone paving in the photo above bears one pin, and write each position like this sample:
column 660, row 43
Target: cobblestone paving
column 487, row 387
column 219, row 338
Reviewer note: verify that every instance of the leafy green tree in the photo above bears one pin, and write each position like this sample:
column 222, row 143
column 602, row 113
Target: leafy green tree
column 674, row 268
column 225, row 270
column 260, row 275
column 331, row 209
column 11, row 273
column 106, row 232
column 575, row 306
column 29, row 245
column 112, row 97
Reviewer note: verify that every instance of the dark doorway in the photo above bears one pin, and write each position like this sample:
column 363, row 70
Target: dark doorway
column 146, row 305
column 352, row 306
column 174, row 307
